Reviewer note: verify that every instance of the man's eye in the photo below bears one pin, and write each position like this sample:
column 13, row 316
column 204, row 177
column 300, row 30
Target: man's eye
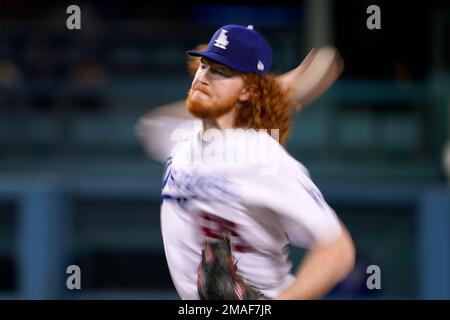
column 219, row 72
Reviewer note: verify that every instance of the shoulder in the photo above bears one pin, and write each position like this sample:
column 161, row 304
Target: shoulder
column 262, row 151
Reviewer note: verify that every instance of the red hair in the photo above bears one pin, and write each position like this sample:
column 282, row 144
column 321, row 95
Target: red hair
column 268, row 106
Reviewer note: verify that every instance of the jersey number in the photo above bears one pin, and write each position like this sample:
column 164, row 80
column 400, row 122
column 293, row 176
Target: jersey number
column 215, row 227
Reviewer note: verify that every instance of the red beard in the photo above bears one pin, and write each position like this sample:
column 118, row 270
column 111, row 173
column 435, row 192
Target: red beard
column 210, row 109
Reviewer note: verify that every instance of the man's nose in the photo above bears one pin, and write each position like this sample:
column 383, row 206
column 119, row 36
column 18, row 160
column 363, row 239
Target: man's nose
column 203, row 77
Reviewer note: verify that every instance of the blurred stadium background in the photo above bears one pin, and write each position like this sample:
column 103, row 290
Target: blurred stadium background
column 77, row 188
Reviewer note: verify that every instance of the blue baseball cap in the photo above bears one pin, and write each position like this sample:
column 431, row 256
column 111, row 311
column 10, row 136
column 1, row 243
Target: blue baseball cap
column 241, row 48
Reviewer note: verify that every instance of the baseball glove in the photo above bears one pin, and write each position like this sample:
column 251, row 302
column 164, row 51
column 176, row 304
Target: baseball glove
column 217, row 274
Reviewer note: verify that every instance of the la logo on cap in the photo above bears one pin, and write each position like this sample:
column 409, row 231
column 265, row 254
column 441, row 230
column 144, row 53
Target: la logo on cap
column 222, row 40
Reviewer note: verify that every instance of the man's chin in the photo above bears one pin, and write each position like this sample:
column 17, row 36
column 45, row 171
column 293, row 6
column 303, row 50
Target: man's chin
column 199, row 102
column 203, row 110
column 197, row 108
column 200, row 112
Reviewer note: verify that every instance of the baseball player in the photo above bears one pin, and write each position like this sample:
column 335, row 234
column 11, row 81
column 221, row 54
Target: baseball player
column 227, row 172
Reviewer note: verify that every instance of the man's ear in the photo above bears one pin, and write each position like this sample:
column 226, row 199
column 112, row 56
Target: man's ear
column 245, row 94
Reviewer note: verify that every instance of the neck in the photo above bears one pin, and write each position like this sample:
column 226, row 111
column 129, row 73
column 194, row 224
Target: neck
column 222, row 123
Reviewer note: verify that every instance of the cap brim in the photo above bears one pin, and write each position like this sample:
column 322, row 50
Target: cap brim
column 219, row 59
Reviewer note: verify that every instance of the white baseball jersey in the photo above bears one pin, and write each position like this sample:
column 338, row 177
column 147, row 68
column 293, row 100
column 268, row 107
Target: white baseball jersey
column 242, row 182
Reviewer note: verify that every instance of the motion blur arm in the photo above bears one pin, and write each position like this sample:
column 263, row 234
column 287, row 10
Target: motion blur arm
column 318, row 71
column 323, row 267
column 156, row 128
